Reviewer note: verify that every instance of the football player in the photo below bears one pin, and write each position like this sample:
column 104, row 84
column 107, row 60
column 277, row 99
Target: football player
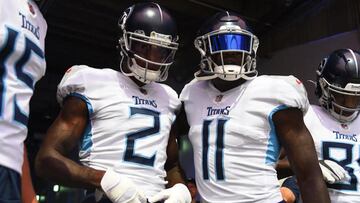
column 335, row 125
column 122, row 118
column 22, row 64
column 237, row 120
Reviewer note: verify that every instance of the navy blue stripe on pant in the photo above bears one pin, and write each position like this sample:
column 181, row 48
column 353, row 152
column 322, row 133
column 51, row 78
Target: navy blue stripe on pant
column 10, row 186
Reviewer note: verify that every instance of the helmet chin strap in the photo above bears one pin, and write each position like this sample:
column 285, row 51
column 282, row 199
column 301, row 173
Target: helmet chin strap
column 143, row 74
column 225, row 72
column 232, row 72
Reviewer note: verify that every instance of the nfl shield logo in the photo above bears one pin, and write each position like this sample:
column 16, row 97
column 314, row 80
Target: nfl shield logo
column 218, row 98
column 344, row 125
column 143, row 91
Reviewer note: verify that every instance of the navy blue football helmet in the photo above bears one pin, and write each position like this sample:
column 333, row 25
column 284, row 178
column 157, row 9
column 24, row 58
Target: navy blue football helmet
column 148, row 41
column 227, row 48
column 338, row 82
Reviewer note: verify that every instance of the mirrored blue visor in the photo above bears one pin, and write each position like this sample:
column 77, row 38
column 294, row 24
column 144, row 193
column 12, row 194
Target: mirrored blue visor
column 230, row 41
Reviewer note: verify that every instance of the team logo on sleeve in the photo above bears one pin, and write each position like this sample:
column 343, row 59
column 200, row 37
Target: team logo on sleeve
column 68, row 70
column 31, row 9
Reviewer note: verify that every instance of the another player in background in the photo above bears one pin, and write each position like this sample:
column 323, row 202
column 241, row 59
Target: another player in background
column 22, row 63
column 238, row 121
column 335, row 125
column 122, row 119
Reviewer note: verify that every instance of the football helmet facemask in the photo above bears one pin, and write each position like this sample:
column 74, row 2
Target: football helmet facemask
column 227, row 48
column 148, row 42
column 338, row 84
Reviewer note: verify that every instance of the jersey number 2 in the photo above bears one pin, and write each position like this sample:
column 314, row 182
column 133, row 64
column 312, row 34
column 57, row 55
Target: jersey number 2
column 130, row 154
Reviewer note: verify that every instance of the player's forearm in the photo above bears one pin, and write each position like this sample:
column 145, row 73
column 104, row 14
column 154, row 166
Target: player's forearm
column 66, row 172
column 310, row 180
column 313, row 190
column 309, row 176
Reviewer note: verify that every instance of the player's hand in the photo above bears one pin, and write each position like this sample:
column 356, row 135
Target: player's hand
column 120, row 189
column 332, row 172
column 179, row 193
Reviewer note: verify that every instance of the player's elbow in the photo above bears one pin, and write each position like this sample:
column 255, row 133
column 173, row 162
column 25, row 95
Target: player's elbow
column 43, row 164
column 39, row 165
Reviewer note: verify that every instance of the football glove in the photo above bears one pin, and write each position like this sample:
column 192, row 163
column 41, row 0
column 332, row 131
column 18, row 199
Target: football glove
column 179, row 193
column 332, row 172
column 120, row 189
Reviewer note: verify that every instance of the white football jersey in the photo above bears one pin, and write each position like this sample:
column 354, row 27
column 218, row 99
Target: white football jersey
column 22, row 64
column 339, row 142
column 233, row 136
column 128, row 127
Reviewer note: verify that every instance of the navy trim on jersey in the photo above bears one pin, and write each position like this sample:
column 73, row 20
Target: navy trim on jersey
column 273, row 148
column 219, row 152
column 5, row 52
column 205, row 149
column 19, row 116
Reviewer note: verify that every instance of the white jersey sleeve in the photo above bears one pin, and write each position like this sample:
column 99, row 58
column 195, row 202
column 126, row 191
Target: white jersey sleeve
column 72, row 82
column 288, row 91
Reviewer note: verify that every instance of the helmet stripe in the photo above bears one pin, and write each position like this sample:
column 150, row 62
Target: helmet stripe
column 355, row 60
column 160, row 11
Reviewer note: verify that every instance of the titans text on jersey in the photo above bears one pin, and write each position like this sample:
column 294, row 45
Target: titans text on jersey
column 140, row 101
